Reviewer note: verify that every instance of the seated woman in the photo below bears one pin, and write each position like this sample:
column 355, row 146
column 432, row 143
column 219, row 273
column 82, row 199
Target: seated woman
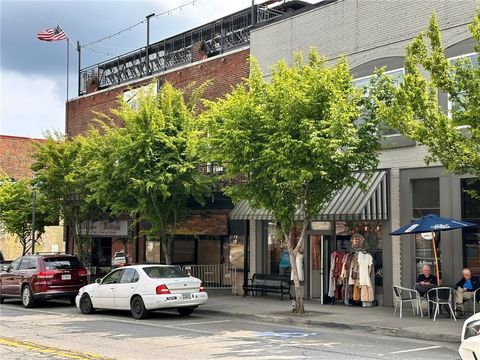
column 425, row 281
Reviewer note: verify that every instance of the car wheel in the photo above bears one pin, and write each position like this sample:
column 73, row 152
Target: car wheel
column 185, row 311
column 1, row 300
column 86, row 306
column 137, row 307
column 27, row 297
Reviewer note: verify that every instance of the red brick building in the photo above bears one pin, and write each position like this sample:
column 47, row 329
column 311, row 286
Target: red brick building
column 16, row 156
column 15, row 163
column 216, row 52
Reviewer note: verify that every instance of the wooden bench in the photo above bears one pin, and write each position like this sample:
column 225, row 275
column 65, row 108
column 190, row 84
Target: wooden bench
column 268, row 283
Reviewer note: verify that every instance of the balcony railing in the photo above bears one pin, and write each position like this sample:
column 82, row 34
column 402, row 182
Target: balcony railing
column 219, row 36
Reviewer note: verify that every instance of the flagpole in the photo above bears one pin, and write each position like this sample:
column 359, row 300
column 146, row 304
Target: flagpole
column 68, row 62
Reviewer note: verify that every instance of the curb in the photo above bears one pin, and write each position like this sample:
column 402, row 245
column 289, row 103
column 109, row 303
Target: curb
column 379, row 330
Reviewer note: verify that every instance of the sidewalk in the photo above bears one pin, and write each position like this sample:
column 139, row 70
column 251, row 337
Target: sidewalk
column 375, row 320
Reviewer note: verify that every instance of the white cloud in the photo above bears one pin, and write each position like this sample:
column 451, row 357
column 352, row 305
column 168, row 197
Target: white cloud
column 29, row 105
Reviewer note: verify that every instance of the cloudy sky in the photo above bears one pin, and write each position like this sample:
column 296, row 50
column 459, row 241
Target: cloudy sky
column 33, row 72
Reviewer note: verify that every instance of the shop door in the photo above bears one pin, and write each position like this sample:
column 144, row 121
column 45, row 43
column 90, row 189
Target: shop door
column 318, row 266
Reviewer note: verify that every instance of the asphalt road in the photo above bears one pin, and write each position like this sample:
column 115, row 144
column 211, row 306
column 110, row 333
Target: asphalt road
column 57, row 330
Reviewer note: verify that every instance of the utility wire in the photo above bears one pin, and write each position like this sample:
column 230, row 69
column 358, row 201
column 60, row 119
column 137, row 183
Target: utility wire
column 139, row 23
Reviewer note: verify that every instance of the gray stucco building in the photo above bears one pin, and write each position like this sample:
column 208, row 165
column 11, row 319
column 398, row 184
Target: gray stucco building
column 372, row 34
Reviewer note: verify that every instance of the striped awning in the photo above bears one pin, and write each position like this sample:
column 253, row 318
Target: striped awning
column 351, row 203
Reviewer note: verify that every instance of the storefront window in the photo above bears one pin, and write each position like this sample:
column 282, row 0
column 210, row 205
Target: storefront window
column 183, row 250
column 278, row 259
column 234, row 251
column 425, row 200
column 152, row 251
column 362, row 236
column 424, row 252
column 471, row 236
column 425, row 197
column 209, row 251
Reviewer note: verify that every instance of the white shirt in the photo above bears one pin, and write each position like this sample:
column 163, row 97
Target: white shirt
column 364, row 262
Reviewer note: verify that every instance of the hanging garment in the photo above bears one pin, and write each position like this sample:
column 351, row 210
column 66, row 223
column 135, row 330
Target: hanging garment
column 331, row 283
column 365, row 261
column 299, row 262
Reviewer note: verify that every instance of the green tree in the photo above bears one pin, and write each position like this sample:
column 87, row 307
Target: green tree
column 16, row 212
column 415, row 111
column 61, row 175
column 297, row 139
column 149, row 167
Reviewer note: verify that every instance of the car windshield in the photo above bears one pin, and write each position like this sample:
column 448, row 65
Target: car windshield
column 472, row 329
column 53, row 263
column 164, row 272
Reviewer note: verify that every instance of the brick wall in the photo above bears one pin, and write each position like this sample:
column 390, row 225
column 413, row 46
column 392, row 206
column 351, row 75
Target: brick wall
column 223, row 71
column 205, row 223
column 16, row 156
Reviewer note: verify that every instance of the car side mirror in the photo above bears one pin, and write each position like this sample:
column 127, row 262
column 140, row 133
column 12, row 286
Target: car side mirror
column 98, row 281
column 5, row 268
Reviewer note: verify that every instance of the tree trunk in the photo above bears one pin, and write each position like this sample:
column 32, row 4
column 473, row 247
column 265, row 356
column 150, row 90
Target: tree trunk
column 167, row 250
column 24, row 243
column 299, row 305
column 294, row 248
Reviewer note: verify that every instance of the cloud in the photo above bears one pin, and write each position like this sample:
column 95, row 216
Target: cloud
column 29, row 104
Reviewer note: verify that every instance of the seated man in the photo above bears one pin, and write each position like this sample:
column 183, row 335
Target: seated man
column 465, row 288
column 425, row 281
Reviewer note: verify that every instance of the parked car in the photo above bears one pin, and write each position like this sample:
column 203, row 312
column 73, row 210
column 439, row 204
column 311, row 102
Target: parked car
column 2, row 259
column 142, row 288
column 119, row 259
column 42, row 277
column 470, row 347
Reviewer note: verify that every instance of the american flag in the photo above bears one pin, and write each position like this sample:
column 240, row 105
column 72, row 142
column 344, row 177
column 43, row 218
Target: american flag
column 52, row 34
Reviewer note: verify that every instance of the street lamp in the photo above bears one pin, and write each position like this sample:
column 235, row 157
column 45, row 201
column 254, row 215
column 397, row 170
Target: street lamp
column 34, row 205
column 148, row 42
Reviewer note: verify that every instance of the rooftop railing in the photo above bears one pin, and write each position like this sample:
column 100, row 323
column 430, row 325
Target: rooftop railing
column 214, row 38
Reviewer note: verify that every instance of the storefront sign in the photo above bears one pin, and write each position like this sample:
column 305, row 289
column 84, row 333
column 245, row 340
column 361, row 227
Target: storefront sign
column 321, row 225
column 105, row 228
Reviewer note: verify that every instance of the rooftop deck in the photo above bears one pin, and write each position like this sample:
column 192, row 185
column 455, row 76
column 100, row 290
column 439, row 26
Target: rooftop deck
column 214, row 38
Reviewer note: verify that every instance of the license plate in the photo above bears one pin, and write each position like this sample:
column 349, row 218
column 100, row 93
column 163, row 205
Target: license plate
column 186, row 296
column 66, row 277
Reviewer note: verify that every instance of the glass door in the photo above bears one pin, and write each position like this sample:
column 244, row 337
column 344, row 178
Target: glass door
column 318, row 266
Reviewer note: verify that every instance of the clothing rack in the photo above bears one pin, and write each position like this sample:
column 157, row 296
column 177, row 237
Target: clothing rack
column 352, row 277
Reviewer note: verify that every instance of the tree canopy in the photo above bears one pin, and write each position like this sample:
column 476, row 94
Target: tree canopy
column 297, row 138
column 452, row 137
column 16, row 201
column 148, row 167
column 61, row 174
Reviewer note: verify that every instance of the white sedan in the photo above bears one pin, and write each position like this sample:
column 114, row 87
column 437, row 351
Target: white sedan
column 470, row 346
column 141, row 288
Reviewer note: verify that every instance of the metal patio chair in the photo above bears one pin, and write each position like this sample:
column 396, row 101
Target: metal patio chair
column 405, row 295
column 441, row 296
column 473, row 300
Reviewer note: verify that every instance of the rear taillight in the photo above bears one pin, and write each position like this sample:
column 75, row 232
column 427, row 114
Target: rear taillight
column 162, row 290
column 202, row 289
column 45, row 274
column 82, row 272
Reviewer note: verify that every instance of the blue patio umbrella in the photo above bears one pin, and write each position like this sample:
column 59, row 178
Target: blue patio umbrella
column 431, row 223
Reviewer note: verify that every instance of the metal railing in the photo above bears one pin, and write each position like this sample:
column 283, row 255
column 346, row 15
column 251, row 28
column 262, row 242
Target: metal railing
column 216, row 37
column 220, row 276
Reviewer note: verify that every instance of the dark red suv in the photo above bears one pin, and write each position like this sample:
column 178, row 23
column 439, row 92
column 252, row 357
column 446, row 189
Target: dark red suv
column 42, row 277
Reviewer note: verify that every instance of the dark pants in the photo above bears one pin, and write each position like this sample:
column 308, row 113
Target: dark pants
column 423, row 289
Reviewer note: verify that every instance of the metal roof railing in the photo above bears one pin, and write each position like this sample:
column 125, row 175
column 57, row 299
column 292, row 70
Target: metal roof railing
column 216, row 37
